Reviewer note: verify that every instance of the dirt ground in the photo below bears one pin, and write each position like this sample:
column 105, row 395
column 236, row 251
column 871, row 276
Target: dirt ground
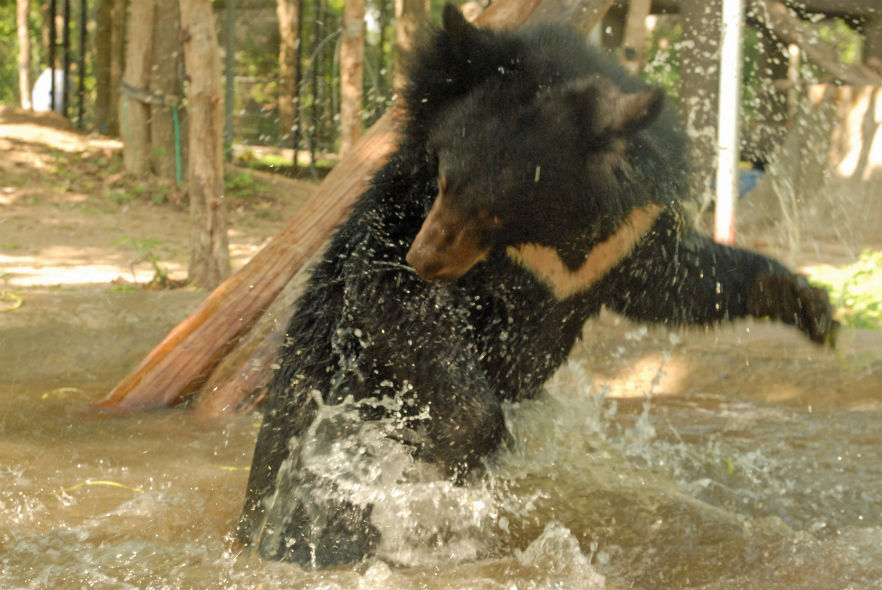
column 76, row 234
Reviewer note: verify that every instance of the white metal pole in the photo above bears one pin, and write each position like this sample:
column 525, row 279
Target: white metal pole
column 728, row 130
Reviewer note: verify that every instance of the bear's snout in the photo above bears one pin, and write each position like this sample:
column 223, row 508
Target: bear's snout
column 447, row 245
column 439, row 253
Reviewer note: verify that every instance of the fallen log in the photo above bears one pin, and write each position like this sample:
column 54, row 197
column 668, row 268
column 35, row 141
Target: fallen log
column 222, row 354
column 181, row 361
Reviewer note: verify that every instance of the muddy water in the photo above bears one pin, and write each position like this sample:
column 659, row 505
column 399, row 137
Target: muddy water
column 698, row 487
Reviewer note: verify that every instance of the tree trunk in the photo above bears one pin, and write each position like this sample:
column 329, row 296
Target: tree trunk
column 165, row 83
column 120, row 21
column 110, row 27
column 410, row 15
column 634, row 43
column 378, row 102
column 215, row 330
column 209, row 250
column 22, row 9
column 103, row 56
column 288, row 12
column 351, row 74
column 871, row 28
column 135, row 114
column 700, row 89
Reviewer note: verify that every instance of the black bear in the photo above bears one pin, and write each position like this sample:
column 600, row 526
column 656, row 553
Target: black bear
column 534, row 182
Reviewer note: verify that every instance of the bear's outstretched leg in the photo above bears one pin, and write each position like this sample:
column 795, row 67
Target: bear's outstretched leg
column 677, row 275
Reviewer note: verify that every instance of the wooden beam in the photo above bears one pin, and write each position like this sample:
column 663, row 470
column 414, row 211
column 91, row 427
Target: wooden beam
column 634, row 42
column 787, row 27
column 843, row 8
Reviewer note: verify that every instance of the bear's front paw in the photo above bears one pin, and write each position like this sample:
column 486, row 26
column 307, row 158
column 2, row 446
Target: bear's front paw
column 792, row 300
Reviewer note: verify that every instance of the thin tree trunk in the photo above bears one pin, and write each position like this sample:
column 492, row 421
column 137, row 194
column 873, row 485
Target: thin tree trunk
column 298, row 82
column 634, row 42
column 314, row 109
column 165, row 82
column 378, row 104
column 110, row 27
column 288, row 12
column 135, row 114
column 24, row 52
column 103, row 55
column 699, row 89
column 409, row 17
column 351, row 74
column 119, row 18
column 209, row 250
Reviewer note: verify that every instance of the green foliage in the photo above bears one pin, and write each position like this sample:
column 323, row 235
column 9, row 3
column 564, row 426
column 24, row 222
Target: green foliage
column 264, row 160
column 145, row 250
column 856, row 289
column 241, row 183
column 8, row 57
column 663, row 61
column 39, row 54
column 845, row 41
column 120, row 197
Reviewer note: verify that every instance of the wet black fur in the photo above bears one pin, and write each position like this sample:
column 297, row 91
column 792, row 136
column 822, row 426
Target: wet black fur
column 488, row 108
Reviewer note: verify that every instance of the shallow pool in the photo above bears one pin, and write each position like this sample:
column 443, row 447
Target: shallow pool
column 696, row 489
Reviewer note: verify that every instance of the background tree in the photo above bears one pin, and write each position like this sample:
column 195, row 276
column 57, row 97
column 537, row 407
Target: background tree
column 209, row 248
column 110, row 27
column 134, row 111
column 151, row 125
column 700, row 88
column 165, row 86
column 351, row 74
column 290, row 71
column 24, row 52
column 409, row 17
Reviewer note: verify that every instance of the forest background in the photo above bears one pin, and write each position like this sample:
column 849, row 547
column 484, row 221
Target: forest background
column 286, row 98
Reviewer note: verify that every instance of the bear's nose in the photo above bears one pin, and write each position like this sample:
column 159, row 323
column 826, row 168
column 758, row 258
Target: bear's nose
column 425, row 266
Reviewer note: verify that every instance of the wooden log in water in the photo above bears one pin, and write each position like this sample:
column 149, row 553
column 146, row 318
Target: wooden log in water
column 182, row 360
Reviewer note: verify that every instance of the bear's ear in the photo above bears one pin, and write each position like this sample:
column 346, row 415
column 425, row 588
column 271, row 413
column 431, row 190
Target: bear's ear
column 453, row 22
column 459, row 35
column 602, row 108
column 628, row 112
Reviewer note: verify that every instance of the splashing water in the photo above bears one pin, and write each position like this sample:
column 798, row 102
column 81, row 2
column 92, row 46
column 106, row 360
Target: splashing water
column 597, row 490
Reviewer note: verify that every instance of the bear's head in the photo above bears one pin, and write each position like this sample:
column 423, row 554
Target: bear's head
column 534, row 152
